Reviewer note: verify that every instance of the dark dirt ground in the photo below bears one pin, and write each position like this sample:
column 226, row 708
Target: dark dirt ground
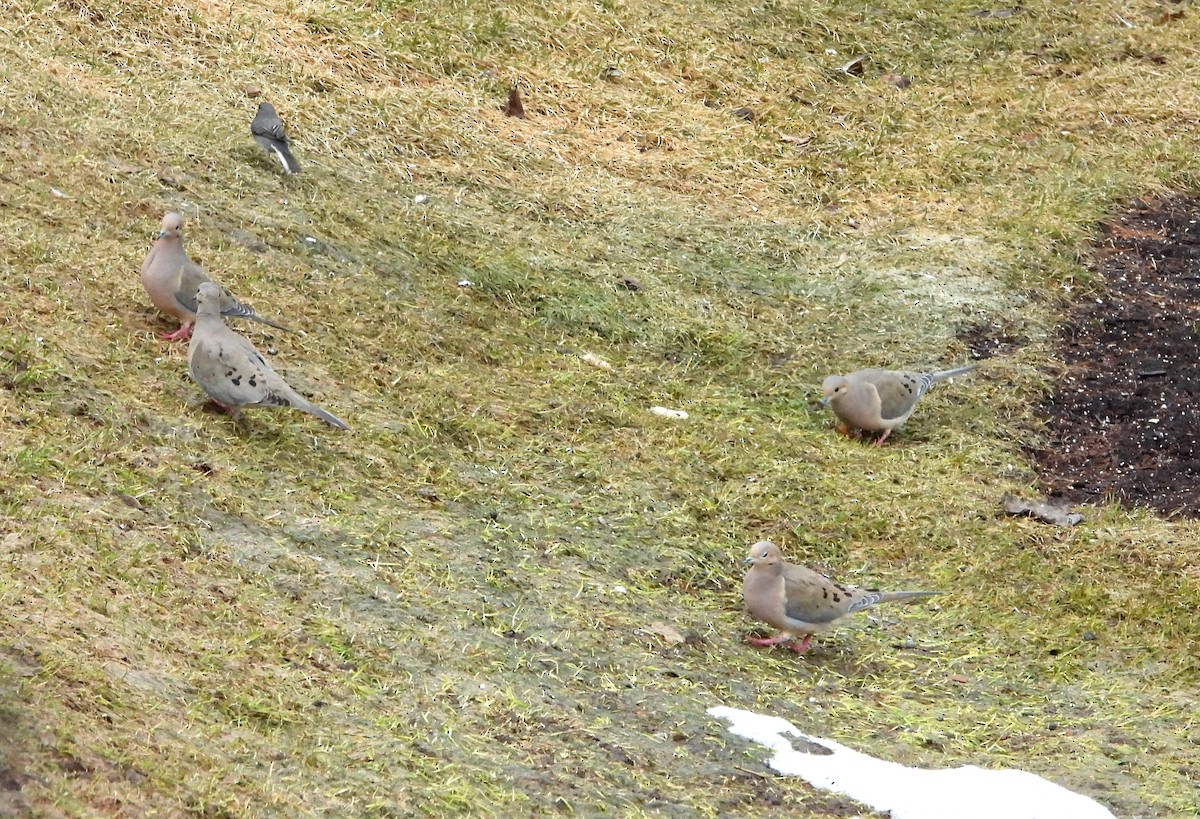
column 1124, row 423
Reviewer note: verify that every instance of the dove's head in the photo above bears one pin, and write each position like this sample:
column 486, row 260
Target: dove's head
column 208, row 294
column 763, row 553
column 833, row 387
column 172, row 225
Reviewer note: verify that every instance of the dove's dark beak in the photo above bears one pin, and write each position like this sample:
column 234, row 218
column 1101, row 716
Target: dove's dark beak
column 747, row 561
column 824, row 402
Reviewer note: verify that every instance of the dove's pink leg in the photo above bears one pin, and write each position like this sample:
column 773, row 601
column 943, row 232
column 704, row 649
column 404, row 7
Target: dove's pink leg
column 883, row 437
column 799, row 648
column 183, row 332
column 802, row 646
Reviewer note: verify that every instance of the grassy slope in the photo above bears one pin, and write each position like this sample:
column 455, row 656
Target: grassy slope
column 443, row 610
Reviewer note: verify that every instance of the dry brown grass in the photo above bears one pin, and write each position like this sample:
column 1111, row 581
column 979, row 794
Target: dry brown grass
column 424, row 616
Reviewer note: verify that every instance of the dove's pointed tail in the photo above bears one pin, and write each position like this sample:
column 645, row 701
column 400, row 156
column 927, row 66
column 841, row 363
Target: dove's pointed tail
column 887, row 597
column 239, row 309
column 944, row 374
column 327, row 417
column 256, row 317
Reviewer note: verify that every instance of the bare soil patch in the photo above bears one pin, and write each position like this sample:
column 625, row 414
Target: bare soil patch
column 1124, row 421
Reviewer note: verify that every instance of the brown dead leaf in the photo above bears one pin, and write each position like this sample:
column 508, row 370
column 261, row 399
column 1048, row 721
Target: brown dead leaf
column 668, row 633
column 856, row 67
column 514, row 108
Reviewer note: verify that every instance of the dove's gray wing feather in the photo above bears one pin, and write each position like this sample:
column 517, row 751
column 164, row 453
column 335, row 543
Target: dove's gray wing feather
column 898, row 391
column 812, row 597
column 815, row 598
column 231, row 307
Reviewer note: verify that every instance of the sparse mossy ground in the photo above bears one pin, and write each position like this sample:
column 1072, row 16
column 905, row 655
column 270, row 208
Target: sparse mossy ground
column 447, row 609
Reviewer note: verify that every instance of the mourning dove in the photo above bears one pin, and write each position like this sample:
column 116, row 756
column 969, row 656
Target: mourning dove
column 171, row 280
column 879, row 400
column 797, row 600
column 268, row 132
column 232, row 372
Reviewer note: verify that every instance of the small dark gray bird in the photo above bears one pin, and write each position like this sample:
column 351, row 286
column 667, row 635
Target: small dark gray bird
column 268, row 132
